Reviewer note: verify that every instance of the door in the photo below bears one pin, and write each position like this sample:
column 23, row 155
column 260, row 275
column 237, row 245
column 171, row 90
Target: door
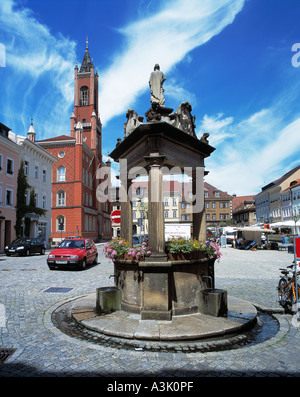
column 7, row 233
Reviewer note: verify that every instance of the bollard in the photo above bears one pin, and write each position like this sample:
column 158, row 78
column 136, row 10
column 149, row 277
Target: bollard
column 212, row 301
column 108, row 299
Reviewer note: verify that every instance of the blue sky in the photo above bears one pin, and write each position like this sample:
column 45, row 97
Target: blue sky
column 231, row 59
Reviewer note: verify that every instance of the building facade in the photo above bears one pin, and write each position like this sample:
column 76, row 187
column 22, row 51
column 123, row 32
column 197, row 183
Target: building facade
column 76, row 209
column 38, row 170
column 218, row 205
column 243, row 214
column 9, row 165
column 269, row 202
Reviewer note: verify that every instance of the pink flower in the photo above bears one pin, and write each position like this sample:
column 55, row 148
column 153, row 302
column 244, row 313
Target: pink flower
column 149, row 252
column 121, row 242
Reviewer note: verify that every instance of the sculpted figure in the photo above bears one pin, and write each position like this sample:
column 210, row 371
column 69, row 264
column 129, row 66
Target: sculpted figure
column 157, row 78
column 183, row 119
column 133, row 121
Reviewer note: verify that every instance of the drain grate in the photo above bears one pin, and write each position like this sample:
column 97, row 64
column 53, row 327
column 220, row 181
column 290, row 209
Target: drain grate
column 58, row 289
column 5, row 354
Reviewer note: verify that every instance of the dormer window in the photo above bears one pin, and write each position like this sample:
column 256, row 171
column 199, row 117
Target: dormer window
column 84, row 96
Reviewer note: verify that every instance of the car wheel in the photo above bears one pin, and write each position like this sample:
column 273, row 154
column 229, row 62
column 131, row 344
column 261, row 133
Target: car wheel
column 43, row 251
column 83, row 264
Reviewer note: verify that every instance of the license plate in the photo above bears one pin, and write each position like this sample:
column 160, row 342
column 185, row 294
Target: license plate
column 11, row 250
column 60, row 262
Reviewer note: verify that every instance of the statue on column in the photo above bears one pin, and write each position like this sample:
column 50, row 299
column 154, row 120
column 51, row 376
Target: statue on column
column 157, row 78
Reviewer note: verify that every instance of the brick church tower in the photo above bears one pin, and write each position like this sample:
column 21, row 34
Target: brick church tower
column 75, row 208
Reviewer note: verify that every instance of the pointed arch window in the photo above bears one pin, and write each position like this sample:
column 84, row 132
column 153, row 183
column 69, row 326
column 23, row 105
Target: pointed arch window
column 61, row 198
column 84, row 96
column 61, row 174
column 60, row 223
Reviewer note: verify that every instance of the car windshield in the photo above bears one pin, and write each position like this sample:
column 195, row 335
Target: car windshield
column 76, row 244
column 21, row 241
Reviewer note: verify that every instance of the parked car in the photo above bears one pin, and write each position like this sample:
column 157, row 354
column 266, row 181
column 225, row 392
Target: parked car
column 25, row 246
column 73, row 252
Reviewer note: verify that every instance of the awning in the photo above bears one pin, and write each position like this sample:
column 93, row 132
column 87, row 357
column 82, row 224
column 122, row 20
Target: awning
column 254, row 229
column 285, row 224
column 32, row 216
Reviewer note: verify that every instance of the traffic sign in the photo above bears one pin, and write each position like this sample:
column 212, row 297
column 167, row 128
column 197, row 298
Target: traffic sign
column 116, row 216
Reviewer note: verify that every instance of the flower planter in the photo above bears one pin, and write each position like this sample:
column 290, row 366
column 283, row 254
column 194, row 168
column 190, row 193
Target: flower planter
column 186, row 256
column 179, row 256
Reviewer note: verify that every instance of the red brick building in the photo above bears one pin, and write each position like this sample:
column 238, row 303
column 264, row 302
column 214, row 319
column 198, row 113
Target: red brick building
column 75, row 208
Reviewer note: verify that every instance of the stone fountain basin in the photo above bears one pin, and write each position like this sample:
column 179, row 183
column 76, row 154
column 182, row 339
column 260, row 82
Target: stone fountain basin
column 241, row 315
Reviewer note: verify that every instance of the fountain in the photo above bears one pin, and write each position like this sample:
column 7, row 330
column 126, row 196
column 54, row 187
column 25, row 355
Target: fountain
column 162, row 298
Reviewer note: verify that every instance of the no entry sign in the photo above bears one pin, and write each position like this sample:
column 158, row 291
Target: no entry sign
column 116, row 216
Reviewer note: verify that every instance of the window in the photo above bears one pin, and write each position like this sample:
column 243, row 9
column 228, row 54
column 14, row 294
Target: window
column 1, row 162
column 44, row 176
column 0, row 194
column 174, row 214
column 166, row 214
column 61, row 174
column 44, row 202
column 217, row 194
column 9, row 197
column 207, row 205
column 26, row 167
column 9, row 166
column 84, row 96
column 36, row 199
column 60, row 223
column 213, row 205
column 61, row 198
column 36, row 172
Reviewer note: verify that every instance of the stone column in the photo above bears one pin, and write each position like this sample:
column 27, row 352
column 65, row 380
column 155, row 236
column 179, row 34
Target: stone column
column 156, row 227
column 126, row 207
column 199, row 220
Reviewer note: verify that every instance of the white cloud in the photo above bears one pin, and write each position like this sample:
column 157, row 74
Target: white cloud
column 217, row 127
column 253, row 152
column 165, row 38
column 38, row 63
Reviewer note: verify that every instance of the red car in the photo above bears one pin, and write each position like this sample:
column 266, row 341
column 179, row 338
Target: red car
column 73, row 252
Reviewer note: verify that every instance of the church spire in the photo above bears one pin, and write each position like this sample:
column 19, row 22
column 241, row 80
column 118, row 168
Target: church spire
column 31, row 133
column 87, row 64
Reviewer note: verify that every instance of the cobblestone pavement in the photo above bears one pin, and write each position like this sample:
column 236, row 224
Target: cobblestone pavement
column 41, row 349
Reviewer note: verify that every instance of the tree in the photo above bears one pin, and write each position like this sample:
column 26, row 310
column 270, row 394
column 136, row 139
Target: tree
column 21, row 207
